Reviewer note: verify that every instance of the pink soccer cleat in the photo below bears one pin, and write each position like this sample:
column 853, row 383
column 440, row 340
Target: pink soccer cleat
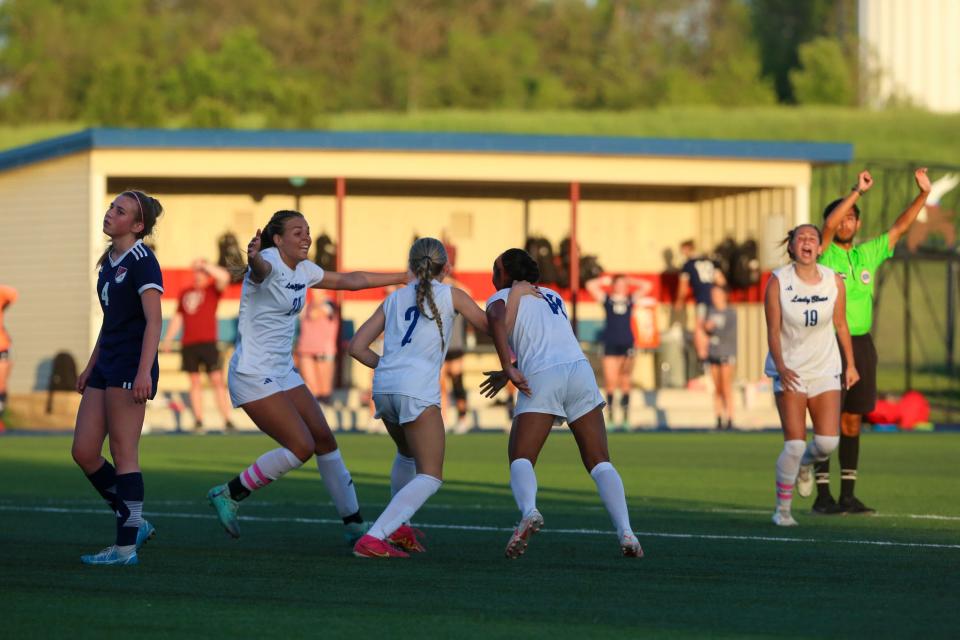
column 407, row 538
column 630, row 546
column 529, row 525
column 370, row 547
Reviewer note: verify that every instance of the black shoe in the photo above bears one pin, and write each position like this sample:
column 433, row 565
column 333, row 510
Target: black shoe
column 229, row 426
column 852, row 506
column 826, row 506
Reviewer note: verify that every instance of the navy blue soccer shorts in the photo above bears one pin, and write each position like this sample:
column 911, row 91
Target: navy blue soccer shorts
column 120, row 373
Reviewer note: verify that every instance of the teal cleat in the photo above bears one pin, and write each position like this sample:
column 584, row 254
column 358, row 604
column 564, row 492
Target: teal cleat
column 353, row 531
column 226, row 508
column 110, row 556
column 146, row 532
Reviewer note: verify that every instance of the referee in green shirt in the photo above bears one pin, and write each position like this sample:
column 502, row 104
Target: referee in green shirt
column 857, row 265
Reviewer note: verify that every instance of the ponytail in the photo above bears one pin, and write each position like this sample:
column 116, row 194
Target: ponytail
column 427, row 259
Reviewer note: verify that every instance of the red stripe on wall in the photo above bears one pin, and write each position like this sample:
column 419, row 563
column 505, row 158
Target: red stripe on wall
column 480, row 286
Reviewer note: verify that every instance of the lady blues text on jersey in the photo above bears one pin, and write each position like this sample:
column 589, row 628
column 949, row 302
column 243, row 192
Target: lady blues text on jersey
column 119, row 286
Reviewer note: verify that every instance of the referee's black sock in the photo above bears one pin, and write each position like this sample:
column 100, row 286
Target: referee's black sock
column 849, row 455
column 610, row 406
column 821, row 472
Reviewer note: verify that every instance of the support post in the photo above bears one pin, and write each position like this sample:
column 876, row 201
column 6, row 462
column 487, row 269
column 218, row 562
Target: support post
column 574, row 255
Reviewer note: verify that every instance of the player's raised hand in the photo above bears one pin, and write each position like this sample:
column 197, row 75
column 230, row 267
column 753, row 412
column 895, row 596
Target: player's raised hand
column 253, row 249
column 923, row 180
column 864, row 181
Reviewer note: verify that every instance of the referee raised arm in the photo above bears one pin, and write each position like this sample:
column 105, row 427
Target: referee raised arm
column 857, row 265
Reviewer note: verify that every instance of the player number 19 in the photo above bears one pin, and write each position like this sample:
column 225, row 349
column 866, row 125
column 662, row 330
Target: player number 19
column 810, row 318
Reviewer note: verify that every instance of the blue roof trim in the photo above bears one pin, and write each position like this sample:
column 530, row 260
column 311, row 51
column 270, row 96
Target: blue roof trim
column 815, row 152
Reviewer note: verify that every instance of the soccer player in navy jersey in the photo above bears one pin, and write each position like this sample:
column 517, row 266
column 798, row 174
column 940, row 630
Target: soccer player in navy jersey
column 122, row 372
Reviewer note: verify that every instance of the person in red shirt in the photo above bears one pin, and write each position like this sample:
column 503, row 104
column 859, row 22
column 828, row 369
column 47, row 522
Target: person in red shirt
column 197, row 315
column 8, row 295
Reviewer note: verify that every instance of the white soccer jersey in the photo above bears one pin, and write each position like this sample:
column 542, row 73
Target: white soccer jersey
column 412, row 353
column 542, row 336
column 807, row 337
column 268, row 315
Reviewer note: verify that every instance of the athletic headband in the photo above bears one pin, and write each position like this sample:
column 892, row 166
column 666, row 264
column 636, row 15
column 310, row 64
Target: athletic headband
column 139, row 204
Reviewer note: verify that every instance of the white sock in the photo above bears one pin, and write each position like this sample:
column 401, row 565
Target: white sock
column 788, row 466
column 819, row 449
column 403, row 505
column 339, row 483
column 610, row 487
column 523, row 482
column 403, row 471
column 268, row 468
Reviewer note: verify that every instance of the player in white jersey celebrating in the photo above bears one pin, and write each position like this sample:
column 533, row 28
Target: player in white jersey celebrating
column 556, row 384
column 262, row 379
column 416, row 322
column 805, row 303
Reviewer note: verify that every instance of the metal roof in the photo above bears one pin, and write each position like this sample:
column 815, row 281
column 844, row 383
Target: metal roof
column 104, row 138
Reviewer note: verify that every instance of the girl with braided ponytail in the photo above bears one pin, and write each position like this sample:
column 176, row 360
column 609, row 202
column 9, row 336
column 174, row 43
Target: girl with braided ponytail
column 416, row 322
column 262, row 378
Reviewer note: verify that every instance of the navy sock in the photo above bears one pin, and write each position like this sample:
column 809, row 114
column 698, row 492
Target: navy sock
column 104, row 480
column 237, row 491
column 130, row 507
column 610, row 406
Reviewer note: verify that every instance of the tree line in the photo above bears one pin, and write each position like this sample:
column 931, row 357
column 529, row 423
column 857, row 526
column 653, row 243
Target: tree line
column 285, row 63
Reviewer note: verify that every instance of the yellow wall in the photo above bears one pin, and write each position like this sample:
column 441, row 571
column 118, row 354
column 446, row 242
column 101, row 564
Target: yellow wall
column 46, row 255
column 497, row 167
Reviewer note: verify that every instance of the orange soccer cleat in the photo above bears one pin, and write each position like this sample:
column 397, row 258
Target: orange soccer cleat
column 370, row 547
column 407, row 538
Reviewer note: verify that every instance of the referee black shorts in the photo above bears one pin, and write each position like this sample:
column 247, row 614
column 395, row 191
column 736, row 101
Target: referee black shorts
column 862, row 397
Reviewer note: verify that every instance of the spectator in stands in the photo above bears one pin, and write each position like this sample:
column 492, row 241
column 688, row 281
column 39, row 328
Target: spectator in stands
column 721, row 328
column 197, row 315
column 317, row 345
column 698, row 275
column 618, row 294
column 8, row 295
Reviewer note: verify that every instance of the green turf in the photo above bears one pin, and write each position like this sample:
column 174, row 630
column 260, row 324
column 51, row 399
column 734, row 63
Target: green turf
column 875, row 134
column 294, row 579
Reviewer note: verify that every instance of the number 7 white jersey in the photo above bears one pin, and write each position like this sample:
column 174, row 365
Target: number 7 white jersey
column 268, row 316
column 542, row 336
column 412, row 352
column 807, row 337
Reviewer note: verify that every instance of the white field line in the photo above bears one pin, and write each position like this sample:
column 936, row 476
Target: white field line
column 636, row 510
column 459, row 527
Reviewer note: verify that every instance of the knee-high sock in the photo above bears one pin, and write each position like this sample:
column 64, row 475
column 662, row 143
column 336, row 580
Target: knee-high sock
column 404, row 470
column 788, row 466
column 104, row 480
column 819, row 449
column 267, row 468
column 403, row 505
column 610, row 487
column 849, row 459
column 129, row 508
column 822, row 474
column 523, row 482
column 339, row 483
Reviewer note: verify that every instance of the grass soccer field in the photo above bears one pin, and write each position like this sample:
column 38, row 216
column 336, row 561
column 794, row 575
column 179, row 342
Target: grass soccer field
column 701, row 505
